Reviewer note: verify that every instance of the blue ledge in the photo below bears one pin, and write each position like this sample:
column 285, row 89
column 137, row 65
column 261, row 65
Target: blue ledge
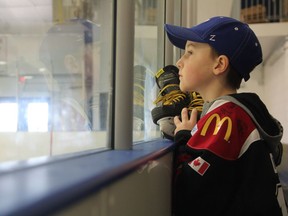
column 44, row 188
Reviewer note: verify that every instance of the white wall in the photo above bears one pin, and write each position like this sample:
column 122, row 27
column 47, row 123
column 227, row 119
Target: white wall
column 275, row 86
column 255, row 83
column 208, row 8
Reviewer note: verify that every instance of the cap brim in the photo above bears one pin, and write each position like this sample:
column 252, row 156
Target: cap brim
column 180, row 35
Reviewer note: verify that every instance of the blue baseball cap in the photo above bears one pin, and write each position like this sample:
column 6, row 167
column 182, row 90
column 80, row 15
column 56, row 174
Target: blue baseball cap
column 227, row 36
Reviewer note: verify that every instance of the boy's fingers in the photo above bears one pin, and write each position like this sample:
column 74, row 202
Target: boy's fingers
column 176, row 120
column 193, row 116
column 184, row 114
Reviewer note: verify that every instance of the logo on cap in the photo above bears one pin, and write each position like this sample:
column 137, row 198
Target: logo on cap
column 212, row 37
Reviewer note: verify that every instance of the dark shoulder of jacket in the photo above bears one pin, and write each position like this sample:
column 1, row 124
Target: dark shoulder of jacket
column 259, row 111
column 270, row 129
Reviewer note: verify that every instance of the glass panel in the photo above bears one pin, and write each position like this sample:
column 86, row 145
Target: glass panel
column 37, row 117
column 148, row 58
column 8, row 116
column 55, row 76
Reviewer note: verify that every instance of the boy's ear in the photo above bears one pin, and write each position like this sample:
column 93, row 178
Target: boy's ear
column 221, row 64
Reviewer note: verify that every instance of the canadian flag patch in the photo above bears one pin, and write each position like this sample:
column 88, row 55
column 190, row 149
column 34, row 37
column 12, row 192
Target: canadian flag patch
column 199, row 165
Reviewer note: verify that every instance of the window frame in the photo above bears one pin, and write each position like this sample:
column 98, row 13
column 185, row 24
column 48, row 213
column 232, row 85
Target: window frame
column 70, row 178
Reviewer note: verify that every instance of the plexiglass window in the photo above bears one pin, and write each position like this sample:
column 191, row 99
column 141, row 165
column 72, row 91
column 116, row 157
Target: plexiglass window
column 148, row 59
column 55, row 76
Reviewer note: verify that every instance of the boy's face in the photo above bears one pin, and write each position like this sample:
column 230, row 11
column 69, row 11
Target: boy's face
column 196, row 67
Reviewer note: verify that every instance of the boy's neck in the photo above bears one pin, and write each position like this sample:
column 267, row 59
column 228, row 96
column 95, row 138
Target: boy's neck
column 212, row 95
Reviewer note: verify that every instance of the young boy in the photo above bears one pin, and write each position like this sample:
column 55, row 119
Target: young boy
column 225, row 162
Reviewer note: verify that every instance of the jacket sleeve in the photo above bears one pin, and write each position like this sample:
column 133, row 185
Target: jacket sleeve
column 182, row 137
column 180, row 155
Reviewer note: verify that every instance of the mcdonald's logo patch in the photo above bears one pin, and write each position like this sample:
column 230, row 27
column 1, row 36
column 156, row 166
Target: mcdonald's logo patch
column 218, row 124
column 199, row 165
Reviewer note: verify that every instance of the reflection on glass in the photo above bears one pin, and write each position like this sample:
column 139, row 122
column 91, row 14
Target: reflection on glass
column 37, row 117
column 66, row 54
column 55, row 77
column 8, row 116
column 149, row 45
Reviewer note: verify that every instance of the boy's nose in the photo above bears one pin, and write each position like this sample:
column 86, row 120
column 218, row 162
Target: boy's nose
column 179, row 63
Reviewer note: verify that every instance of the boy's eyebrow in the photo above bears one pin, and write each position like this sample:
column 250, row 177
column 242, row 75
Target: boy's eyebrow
column 189, row 44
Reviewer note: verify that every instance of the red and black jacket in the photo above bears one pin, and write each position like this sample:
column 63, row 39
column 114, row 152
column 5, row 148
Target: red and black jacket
column 225, row 166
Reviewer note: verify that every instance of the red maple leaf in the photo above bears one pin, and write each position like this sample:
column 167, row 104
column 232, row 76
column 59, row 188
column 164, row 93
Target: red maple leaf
column 196, row 162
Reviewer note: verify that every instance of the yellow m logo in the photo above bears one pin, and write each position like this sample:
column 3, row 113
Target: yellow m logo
column 219, row 123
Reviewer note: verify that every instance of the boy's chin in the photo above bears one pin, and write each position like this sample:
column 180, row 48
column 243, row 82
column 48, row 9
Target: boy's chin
column 183, row 89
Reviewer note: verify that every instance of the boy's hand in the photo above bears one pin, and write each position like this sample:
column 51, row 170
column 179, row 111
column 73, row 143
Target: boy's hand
column 185, row 123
